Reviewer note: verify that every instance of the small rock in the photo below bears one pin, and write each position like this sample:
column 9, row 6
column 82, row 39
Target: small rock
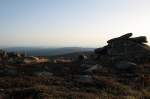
column 85, row 79
column 94, row 67
column 124, row 65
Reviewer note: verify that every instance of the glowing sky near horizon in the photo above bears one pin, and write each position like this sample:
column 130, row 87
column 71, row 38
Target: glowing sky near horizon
column 82, row 23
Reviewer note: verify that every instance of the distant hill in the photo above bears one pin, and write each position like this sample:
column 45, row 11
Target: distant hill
column 72, row 55
column 34, row 51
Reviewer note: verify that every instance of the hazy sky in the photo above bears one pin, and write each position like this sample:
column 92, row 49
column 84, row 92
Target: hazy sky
column 87, row 23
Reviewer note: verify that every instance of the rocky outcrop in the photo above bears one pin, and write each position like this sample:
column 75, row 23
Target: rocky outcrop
column 123, row 37
column 125, row 48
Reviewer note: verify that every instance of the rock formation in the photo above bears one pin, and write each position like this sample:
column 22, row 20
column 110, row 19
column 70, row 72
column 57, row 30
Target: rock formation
column 125, row 48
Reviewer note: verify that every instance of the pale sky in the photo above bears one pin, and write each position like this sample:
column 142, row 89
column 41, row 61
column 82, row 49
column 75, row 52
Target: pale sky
column 70, row 23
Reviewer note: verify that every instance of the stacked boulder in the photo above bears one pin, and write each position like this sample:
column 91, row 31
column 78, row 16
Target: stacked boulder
column 125, row 48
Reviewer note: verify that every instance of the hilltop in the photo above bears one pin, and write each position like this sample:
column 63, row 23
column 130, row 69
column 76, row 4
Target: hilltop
column 119, row 70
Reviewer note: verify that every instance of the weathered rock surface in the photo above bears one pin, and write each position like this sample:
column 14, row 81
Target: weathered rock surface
column 123, row 37
column 141, row 39
column 124, row 65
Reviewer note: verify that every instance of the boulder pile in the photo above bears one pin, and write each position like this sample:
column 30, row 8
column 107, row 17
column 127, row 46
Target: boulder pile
column 125, row 48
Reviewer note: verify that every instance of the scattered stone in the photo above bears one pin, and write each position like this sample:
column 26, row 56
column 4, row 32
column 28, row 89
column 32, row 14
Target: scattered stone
column 29, row 60
column 63, row 60
column 32, row 59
